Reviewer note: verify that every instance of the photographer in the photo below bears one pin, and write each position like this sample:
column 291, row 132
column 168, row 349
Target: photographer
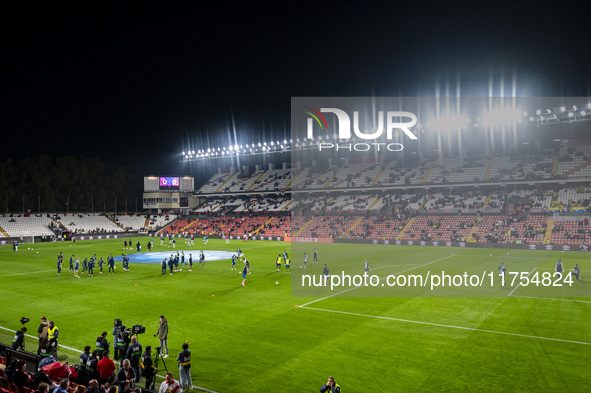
column 123, row 340
column 330, row 386
column 84, row 356
column 184, row 359
column 162, row 334
column 17, row 340
column 147, row 367
column 116, row 330
column 102, row 344
column 134, row 354
column 91, row 370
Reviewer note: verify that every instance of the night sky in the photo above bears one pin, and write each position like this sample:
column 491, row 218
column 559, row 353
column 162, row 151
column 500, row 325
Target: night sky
column 138, row 83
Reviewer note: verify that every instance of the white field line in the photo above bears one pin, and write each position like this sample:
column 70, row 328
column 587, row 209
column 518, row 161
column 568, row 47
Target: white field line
column 20, row 274
column 350, row 289
column 450, row 326
column 518, row 285
column 553, row 298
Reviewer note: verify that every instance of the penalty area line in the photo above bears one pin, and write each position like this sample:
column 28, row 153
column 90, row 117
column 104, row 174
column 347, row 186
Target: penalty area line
column 450, row 326
column 350, row 289
column 553, row 298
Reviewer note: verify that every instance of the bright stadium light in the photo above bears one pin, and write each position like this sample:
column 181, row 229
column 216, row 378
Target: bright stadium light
column 583, row 113
column 231, row 148
column 235, row 147
column 285, row 141
column 574, row 107
column 501, row 117
column 265, row 144
column 562, row 109
column 183, row 153
column 570, row 114
column 531, row 118
column 539, row 112
column 589, row 105
column 271, row 143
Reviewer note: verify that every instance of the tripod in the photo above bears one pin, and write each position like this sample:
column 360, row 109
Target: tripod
column 158, row 357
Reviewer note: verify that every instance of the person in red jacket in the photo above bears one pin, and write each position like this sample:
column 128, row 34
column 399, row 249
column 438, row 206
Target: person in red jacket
column 106, row 368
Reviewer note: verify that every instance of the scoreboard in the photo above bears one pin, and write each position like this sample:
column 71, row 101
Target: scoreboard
column 169, row 184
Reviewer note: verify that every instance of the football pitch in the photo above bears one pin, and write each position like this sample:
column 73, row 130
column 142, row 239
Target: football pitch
column 482, row 338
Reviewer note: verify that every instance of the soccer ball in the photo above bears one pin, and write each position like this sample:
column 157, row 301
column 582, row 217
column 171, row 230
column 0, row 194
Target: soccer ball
column 181, row 270
column 37, row 252
column 507, row 253
column 491, row 255
column 277, row 283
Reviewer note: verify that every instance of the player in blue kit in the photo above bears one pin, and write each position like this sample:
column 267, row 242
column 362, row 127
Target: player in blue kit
column 100, row 263
column 76, row 267
column 245, row 271
column 91, row 267
column 202, row 258
column 84, row 265
column 163, row 263
column 59, row 267
column 366, row 268
column 72, row 263
column 233, row 262
column 190, row 262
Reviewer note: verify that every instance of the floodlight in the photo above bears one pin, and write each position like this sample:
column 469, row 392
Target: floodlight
column 208, row 150
column 235, row 147
column 562, row 109
column 548, row 111
column 538, row 112
column 285, row 140
column 223, row 148
column 271, row 143
column 265, row 143
column 231, row 148
column 570, row 114
column 589, row 105
column 531, row 118
column 525, row 113
column 193, row 152
column 183, row 153
column 218, row 149
column 574, row 107
column 583, row 113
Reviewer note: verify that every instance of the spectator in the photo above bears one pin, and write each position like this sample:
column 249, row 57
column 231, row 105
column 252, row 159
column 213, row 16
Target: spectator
column 63, row 388
column 125, row 376
column 93, row 387
column 106, row 368
column 43, row 388
column 80, row 389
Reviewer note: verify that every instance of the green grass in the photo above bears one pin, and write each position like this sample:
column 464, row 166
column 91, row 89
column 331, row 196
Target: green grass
column 253, row 339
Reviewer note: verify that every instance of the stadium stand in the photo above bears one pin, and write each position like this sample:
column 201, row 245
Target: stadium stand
column 89, row 223
column 26, row 226
column 131, row 223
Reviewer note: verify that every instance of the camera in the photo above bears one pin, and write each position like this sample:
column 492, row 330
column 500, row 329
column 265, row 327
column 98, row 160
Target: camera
column 24, row 320
column 117, row 323
column 138, row 329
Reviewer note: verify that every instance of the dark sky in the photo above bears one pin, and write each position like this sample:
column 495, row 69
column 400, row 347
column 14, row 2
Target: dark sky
column 137, row 83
